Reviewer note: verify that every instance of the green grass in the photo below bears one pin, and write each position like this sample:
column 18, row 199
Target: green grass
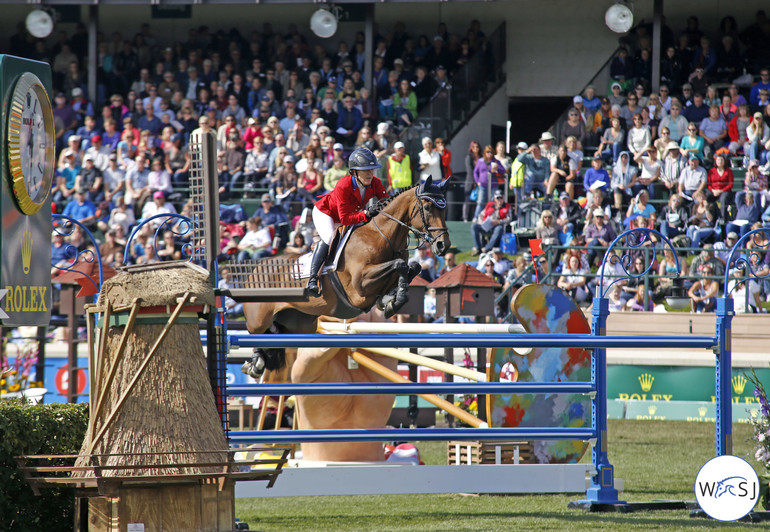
column 657, row 460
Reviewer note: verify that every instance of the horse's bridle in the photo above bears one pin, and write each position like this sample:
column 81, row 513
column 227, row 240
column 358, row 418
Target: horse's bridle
column 424, row 236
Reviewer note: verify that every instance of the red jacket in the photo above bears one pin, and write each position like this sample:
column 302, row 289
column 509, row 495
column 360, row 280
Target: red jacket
column 344, row 203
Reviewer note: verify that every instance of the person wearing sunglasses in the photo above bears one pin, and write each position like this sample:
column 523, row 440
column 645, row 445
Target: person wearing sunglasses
column 692, row 143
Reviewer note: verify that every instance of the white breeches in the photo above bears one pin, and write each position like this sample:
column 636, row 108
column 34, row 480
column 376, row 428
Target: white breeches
column 324, row 225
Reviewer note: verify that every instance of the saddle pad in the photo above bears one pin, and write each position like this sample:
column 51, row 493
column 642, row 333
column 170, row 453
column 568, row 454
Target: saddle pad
column 305, row 260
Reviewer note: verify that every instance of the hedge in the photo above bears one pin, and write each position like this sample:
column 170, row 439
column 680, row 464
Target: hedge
column 26, row 429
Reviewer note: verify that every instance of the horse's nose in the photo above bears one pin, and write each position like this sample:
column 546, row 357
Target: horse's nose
column 439, row 248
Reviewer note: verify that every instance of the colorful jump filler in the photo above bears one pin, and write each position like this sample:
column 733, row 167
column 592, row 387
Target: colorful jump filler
column 544, row 309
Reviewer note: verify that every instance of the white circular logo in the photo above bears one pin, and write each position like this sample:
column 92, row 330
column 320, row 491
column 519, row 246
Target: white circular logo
column 727, row 488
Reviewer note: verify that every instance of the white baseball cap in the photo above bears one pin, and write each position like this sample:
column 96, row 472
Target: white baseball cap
column 398, row 145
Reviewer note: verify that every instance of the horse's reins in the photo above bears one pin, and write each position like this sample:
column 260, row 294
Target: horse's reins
column 425, row 236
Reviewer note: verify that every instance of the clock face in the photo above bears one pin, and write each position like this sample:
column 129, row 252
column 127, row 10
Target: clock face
column 30, row 142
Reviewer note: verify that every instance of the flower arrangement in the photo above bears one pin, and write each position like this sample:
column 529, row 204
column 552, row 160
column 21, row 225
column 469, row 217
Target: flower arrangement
column 760, row 422
column 15, row 374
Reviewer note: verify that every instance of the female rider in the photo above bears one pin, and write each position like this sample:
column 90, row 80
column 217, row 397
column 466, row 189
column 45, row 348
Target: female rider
column 345, row 205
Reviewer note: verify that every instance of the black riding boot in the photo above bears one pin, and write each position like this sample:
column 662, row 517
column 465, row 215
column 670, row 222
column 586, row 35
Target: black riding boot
column 316, row 263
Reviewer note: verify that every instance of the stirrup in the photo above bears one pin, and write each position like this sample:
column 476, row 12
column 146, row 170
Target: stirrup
column 313, row 287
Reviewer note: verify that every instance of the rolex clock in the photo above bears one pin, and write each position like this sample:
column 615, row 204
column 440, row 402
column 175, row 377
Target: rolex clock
column 30, row 143
column 27, row 162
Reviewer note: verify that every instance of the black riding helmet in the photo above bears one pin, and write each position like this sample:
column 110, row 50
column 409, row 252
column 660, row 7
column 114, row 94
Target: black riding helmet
column 363, row 159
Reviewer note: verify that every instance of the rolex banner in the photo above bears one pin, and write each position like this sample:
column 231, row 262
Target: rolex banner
column 676, row 383
column 25, row 241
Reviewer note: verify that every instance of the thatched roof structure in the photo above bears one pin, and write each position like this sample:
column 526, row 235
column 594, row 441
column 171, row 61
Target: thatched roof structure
column 151, row 392
column 158, row 284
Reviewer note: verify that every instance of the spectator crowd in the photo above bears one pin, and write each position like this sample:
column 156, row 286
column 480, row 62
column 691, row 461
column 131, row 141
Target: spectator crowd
column 286, row 115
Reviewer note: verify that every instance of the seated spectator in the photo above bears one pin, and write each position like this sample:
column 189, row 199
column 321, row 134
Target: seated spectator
column 623, row 180
column 567, row 218
column 630, row 288
column 298, row 245
column 612, row 142
column 636, row 303
column 81, row 209
column 747, row 213
column 596, row 178
column 256, row 243
column 650, row 168
column 563, row 172
column 693, row 178
column 158, row 205
column 491, row 224
column 547, row 231
column 668, row 271
column 758, row 135
column 722, row 249
column 640, row 206
column 573, row 281
column 337, row 171
column 736, row 130
column 90, row 179
column 704, row 291
column 273, row 218
column 673, row 218
column 713, row 130
column 598, row 234
column 746, row 294
column 233, row 309
column 169, row 248
column 672, row 165
column 424, row 258
column 719, row 186
column 704, row 224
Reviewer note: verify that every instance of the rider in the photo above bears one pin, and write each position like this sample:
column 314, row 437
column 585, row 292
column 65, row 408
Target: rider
column 346, row 204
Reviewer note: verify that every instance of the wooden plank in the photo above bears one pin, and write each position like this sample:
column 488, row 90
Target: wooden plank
column 180, row 508
column 140, row 506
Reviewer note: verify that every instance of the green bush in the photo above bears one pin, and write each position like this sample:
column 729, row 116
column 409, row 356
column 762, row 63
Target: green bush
column 37, row 429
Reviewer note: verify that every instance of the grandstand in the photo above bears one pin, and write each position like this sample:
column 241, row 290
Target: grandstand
column 489, row 72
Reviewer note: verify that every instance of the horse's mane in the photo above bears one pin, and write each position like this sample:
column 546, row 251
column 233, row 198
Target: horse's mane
column 387, row 201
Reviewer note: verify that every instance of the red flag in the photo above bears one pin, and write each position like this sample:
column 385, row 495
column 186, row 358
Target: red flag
column 534, row 246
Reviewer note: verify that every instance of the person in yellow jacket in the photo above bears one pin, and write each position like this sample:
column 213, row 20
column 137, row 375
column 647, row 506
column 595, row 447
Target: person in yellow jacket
column 518, row 170
column 399, row 169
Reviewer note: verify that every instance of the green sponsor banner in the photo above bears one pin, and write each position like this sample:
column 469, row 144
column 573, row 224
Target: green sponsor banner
column 676, row 383
column 696, row 411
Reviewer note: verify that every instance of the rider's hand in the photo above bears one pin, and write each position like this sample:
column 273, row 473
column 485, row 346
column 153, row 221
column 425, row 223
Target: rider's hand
column 372, row 210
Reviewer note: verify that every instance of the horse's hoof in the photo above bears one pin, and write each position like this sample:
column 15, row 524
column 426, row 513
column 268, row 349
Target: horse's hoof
column 390, row 310
column 254, row 368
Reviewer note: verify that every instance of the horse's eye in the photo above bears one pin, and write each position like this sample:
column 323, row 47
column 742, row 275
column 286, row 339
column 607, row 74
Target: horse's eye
column 427, row 206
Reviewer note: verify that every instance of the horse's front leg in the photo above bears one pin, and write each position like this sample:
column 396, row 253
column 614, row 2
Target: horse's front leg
column 399, row 295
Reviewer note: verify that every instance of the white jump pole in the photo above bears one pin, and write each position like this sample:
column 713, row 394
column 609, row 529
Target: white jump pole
column 446, row 328
column 419, row 360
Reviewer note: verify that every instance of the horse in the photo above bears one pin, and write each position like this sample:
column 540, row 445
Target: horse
column 373, row 269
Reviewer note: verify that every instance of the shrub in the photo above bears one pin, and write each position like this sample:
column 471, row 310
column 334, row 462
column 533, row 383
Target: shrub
column 37, row 429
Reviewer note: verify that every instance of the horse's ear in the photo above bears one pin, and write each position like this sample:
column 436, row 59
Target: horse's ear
column 428, row 182
column 443, row 184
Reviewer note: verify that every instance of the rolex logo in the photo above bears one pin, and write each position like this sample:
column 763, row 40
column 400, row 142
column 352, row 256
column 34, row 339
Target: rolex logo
column 739, row 383
column 646, row 380
column 702, row 410
column 652, row 409
column 26, row 250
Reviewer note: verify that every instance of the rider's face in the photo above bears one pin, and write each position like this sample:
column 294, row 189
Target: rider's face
column 366, row 176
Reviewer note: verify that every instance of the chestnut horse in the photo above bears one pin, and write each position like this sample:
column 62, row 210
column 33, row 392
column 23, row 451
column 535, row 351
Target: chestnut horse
column 373, row 269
